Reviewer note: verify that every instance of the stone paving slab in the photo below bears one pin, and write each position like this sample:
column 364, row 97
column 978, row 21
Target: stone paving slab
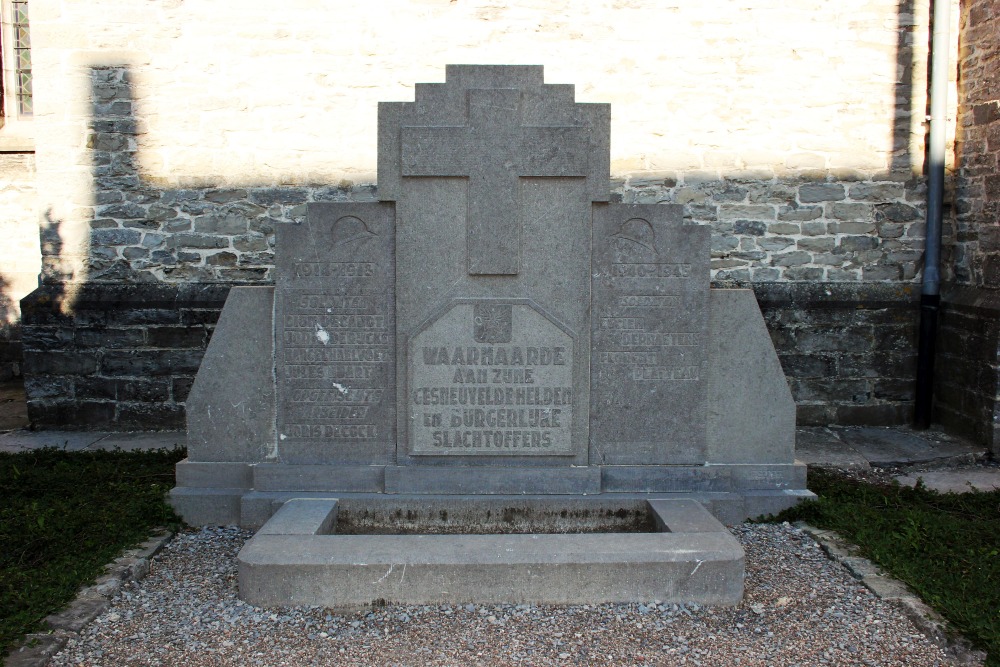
column 820, row 447
column 37, row 649
column 885, row 447
column 130, row 442
column 958, row 480
column 857, row 447
column 74, row 441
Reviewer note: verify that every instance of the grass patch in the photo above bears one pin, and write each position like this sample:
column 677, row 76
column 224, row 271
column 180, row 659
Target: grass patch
column 63, row 516
column 944, row 546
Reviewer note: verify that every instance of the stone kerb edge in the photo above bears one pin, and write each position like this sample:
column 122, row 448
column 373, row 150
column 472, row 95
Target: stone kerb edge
column 90, row 602
column 886, row 587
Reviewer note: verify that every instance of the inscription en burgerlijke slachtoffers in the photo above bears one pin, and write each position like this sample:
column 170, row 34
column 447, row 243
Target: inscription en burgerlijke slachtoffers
column 491, row 379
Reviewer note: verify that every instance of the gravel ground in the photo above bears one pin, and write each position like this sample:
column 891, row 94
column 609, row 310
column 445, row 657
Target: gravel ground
column 800, row 608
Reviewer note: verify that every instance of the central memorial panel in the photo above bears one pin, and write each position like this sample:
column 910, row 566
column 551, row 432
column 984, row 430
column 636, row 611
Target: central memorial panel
column 493, row 174
column 491, row 377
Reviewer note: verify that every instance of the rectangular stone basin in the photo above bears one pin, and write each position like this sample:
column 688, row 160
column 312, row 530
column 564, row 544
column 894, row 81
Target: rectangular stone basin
column 297, row 559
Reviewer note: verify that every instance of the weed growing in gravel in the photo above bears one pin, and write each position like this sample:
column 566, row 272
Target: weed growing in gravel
column 946, row 547
column 64, row 515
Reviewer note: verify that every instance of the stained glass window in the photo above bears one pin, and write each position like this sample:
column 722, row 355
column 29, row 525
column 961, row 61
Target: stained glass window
column 22, row 56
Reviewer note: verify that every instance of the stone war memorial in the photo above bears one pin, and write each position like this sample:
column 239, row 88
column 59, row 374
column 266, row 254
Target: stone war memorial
column 493, row 384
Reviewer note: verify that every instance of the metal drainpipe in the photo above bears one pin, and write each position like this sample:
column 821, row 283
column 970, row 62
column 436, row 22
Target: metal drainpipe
column 930, row 294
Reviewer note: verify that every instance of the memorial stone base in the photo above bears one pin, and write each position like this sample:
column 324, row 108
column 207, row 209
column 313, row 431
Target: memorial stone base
column 494, row 329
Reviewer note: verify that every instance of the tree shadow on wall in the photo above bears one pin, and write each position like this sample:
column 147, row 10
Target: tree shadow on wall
column 115, row 334
column 12, row 315
column 142, row 232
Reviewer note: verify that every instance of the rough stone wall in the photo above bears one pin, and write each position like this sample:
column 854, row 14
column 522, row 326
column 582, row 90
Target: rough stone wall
column 813, row 225
column 124, row 358
column 803, row 153
column 967, row 386
column 847, row 349
column 763, row 231
column 804, row 156
column 19, row 253
column 799, row 230
column 976, row 245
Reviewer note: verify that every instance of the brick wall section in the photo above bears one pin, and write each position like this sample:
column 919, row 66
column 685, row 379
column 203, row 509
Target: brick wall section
column 847, row 349
column 968, row 365
column 967, row 387
column 124, row 358
column 801, row 156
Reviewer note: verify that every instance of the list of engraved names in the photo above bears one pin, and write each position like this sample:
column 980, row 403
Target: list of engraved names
column 337, row 347
column 631, row 325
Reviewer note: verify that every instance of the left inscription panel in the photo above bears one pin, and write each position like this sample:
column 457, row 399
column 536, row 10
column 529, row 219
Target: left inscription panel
column 335, row 340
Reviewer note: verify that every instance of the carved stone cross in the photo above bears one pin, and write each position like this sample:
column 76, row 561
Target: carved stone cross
column 494, row 151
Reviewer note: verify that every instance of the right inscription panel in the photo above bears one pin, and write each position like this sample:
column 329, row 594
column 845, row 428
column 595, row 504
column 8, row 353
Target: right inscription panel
column 649, row 337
